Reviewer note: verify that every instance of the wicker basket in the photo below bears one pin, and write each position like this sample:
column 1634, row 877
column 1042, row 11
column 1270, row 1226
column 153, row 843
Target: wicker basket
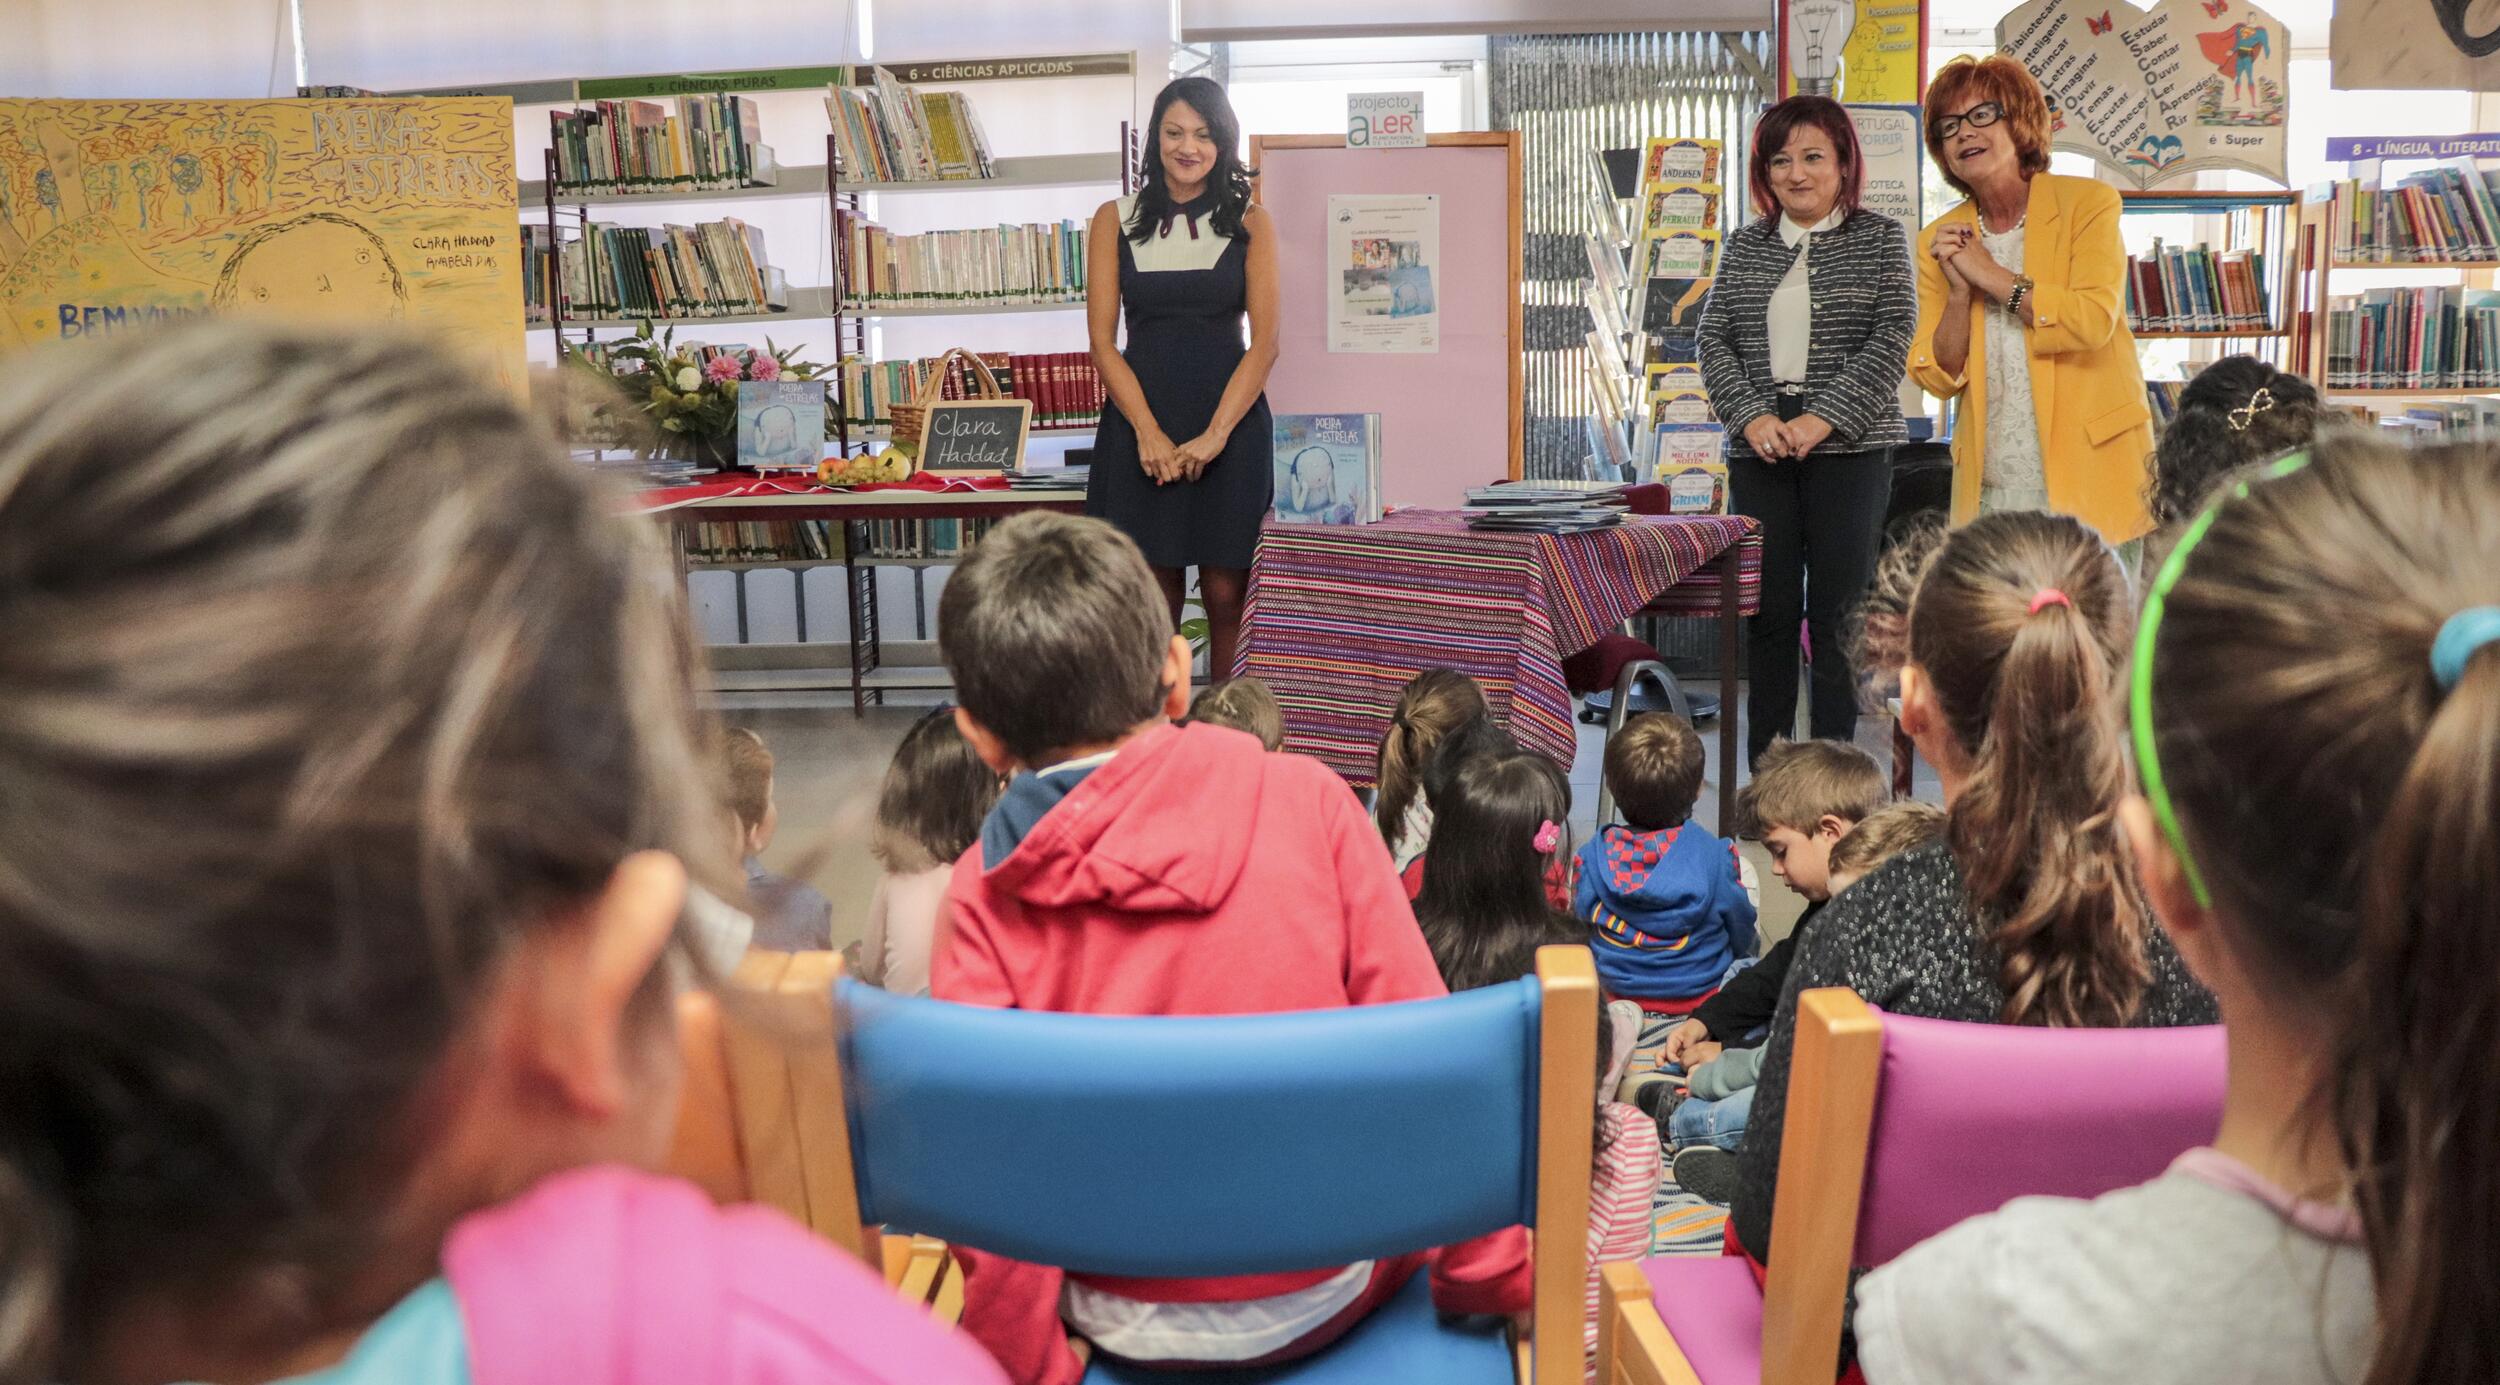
column 910, row 418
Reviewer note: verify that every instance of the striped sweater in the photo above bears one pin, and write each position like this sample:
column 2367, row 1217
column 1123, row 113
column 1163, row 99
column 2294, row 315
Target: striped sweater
column 1623, row 1192
column 1865, row 308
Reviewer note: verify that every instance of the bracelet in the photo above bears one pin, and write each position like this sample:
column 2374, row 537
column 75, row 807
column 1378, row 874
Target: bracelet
column 2022, row 290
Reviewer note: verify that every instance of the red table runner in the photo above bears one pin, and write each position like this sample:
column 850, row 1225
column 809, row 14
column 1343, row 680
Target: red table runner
column 1339, row 618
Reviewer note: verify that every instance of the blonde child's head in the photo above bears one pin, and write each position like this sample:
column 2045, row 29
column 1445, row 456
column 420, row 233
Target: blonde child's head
column 1880, row 836
column 936, row 794
column 1653, row 768
column 1803, row 798
column 2316, row 705
column 1244, row 704
column 1434, row 703
column 354, row 783
column 746, row 780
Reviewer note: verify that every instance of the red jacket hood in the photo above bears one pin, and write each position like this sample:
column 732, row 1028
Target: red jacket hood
column 1137, row 834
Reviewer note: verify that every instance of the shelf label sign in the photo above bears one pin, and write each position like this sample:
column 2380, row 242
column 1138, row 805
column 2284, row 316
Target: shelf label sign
column 1384, row 120
column 2413, row 147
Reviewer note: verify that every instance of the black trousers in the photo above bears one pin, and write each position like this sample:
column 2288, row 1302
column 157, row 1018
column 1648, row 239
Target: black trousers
column 1822, row 526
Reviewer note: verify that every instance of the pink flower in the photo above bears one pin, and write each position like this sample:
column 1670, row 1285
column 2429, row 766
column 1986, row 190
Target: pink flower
column 1548, row 836
column 721, row 369
column 763, row 367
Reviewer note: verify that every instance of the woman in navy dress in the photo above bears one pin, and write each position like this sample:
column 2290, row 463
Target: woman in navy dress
column 1184, row 461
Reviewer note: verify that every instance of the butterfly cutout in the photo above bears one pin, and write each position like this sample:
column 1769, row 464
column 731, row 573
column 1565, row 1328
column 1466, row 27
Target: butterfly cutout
column 2215, row 8
column 2100, row 25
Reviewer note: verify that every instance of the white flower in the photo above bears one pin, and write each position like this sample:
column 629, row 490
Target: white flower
column 689, row 379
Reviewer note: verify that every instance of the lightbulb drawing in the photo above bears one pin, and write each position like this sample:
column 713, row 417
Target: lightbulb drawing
column 1817, row 31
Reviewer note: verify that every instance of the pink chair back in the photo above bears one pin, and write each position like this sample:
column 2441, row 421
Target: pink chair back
column 1971, row 1116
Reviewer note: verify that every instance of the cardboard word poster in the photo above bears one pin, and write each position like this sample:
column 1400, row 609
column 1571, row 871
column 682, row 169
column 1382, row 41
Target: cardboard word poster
column 2159, row 94
column 116, row 214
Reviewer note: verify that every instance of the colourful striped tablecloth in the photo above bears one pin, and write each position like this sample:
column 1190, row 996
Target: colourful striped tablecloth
column 1339, row 618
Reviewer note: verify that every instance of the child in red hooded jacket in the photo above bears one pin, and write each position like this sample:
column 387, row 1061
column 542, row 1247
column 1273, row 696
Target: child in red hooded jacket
column 1116, row 876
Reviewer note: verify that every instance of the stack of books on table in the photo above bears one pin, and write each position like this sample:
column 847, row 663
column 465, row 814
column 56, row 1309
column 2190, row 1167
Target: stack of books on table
column 1543, row 519
column 1514, row 494
column 885, row 132
column 1054, row 478
column 712, row 144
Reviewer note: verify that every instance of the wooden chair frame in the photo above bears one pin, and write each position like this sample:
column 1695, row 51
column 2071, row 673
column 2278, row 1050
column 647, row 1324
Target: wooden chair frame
column 1831, row 1116
column 764, row 1120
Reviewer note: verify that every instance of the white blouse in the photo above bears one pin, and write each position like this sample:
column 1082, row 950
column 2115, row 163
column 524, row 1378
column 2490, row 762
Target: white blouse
column 2011, row 475
column 1792, row 306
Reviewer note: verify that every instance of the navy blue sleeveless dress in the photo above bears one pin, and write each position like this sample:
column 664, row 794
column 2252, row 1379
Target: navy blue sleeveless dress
column 1184, row 293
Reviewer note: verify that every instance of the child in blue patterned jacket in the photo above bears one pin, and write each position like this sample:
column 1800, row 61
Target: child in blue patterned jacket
column 1667, row 911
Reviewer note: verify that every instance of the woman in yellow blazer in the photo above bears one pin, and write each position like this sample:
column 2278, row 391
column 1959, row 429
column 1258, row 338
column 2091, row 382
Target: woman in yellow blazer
column 2022, row 314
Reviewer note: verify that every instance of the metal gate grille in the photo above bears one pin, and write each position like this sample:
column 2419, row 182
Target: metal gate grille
column 1571, row 93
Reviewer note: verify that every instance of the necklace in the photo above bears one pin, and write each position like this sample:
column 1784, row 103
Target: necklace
column 2018, row 223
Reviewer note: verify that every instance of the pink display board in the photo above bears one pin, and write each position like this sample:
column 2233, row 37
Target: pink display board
column 1449, row 419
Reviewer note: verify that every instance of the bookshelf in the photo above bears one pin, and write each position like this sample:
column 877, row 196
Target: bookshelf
column 2260, row 223
column 2330, row 220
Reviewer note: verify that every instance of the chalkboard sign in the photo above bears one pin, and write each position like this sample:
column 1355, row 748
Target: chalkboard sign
column 969, row 437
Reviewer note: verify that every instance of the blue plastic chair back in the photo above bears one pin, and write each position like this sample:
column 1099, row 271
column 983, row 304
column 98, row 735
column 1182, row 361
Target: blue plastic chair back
column 1177, row 1147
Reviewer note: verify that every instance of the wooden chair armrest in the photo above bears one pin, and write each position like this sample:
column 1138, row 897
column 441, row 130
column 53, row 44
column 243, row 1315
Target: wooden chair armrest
column 1633, row 1344
column 1831, row 1112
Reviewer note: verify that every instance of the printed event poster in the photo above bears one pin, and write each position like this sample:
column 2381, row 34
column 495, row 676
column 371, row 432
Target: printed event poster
column 1384, row 267
column 2158, row 94
column 119, row 213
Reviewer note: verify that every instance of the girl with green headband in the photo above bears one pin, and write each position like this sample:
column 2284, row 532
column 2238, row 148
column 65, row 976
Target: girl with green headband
column 2316, row 705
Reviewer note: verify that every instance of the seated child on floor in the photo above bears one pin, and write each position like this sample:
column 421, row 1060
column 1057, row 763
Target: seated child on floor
column 1803, row 798
column 1485, row 913
column 1665, row 907
column 1433, row 704
column 929, row 812
column 1706, row 1125
column 1244, row 704
column 790, row 915
column 1133, row 867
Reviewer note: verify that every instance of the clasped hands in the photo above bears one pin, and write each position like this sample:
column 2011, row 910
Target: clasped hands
column 1775, row 441
column 1967, row 265
column 1166, row 461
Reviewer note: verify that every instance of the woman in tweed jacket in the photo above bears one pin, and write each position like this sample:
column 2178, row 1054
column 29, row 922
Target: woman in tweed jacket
column 1804, row 344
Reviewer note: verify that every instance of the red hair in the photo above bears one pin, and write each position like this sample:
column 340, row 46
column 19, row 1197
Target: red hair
column 1967, row 81
column 1770, row 136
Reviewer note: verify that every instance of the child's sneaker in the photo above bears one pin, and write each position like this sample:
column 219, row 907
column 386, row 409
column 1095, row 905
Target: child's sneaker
column 1707, row 1172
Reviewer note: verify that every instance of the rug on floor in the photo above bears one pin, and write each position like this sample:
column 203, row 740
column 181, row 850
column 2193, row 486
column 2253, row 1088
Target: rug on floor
column 1682, row 1224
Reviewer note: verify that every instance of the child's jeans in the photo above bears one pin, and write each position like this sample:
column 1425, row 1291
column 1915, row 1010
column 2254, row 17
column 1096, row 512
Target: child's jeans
column 1721, row 1123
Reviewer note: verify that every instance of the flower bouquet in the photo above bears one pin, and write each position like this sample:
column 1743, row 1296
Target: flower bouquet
column 689, row 394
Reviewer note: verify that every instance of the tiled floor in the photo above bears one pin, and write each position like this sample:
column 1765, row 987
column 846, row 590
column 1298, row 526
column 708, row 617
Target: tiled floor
column 830, row 762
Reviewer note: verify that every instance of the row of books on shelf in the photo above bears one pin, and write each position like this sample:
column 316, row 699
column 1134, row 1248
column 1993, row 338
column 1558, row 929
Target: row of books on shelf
column 2197, row 289
column 886, row 132
column 2163, row 398
column 2451, row 212
column 1066, row 390
column 716, row 269
column 2415, row 338
column 711, row 144
column 2439, row 420
column 816, row 541
column 1036, row 262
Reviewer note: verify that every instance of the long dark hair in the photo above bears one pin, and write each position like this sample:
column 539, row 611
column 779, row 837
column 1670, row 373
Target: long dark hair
column 2344, row 810
column 1483, row 907
column 935, row 795
column 1228, row 180
column 2026, row 684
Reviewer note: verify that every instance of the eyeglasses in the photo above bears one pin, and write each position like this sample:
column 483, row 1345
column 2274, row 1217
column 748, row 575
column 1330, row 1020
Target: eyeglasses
column 1978, row 117
column 2140, row 693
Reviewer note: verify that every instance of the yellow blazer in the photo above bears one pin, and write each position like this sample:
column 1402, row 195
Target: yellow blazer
column 2096, row 432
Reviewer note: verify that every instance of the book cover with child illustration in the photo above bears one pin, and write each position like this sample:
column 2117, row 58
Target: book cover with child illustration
column 1327, row 468
column 781, row 424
